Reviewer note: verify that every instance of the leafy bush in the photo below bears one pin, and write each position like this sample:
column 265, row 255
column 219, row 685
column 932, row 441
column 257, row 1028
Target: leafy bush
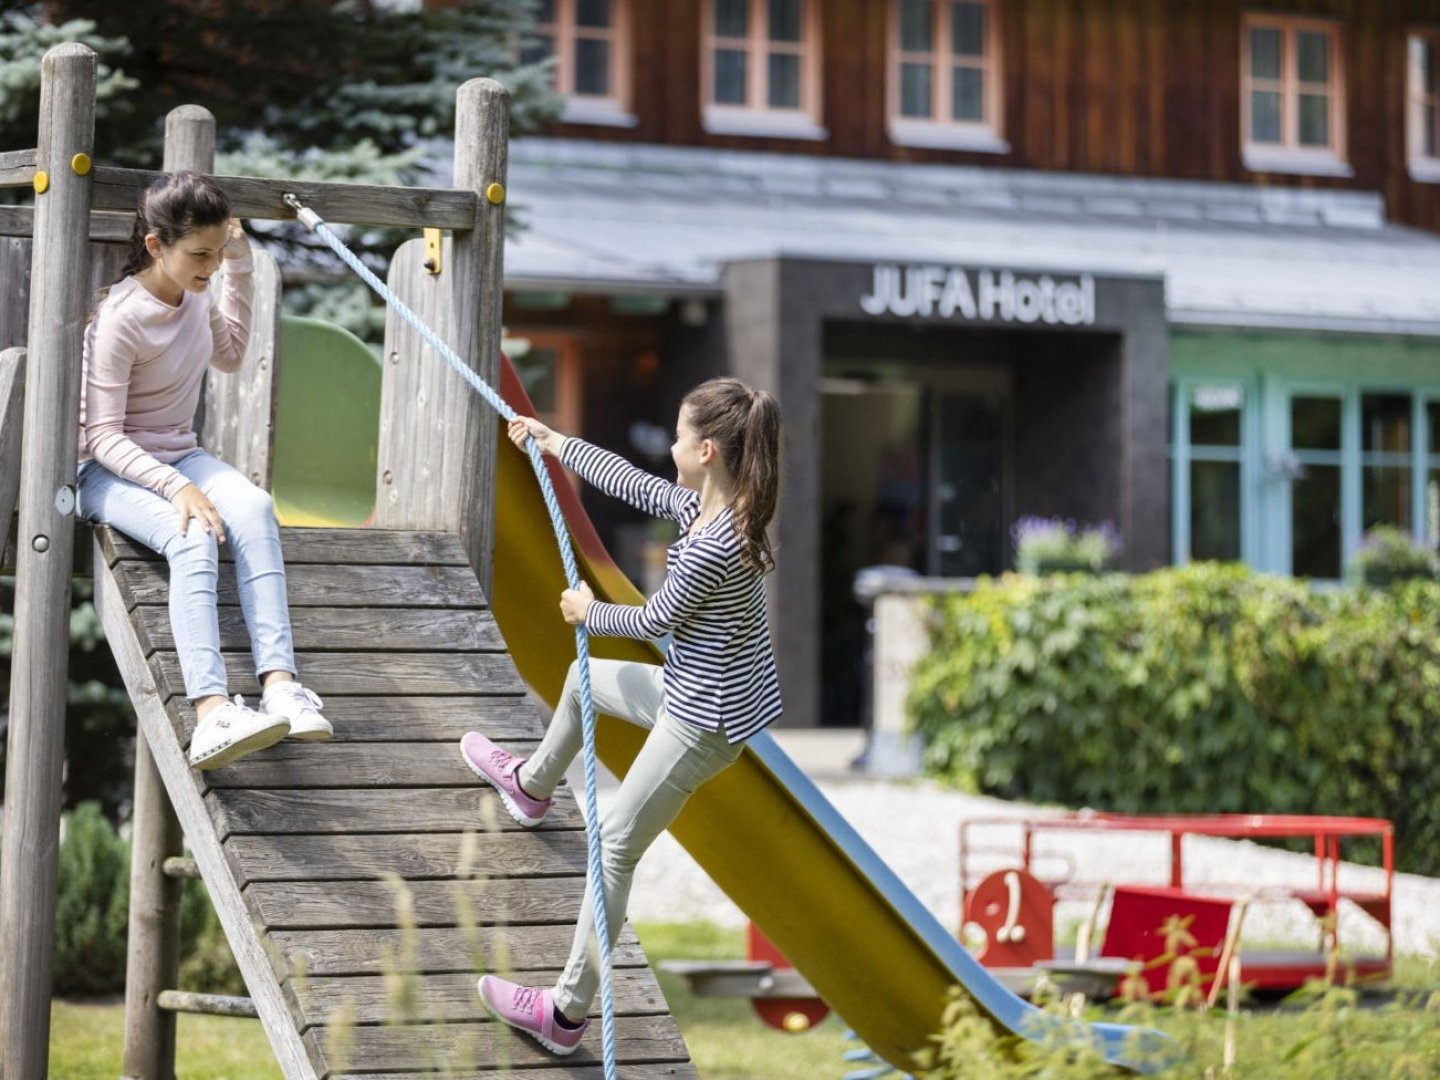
column 1050, row 545
column 92, row 905
column 1204, row 688
column 92, row 912
column 1387, row 555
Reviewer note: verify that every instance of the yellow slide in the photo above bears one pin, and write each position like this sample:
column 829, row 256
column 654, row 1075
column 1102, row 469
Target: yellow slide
column 761, row 830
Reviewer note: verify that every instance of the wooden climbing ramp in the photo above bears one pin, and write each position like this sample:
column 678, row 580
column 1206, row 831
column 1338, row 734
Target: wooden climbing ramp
column 365, row 883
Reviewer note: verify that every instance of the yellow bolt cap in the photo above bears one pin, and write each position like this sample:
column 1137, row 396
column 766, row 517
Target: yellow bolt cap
column 81, row 164
column 41, row 181
column 495, row 192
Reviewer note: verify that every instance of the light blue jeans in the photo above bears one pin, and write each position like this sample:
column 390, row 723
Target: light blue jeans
column 253, row 536
column 676, row 759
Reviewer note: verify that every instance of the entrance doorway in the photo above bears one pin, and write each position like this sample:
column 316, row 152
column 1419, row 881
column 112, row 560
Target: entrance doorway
column 916, row 473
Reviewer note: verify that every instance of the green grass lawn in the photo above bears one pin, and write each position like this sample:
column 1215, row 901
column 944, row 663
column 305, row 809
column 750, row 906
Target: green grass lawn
column 728, row 1042
column 726, row 1039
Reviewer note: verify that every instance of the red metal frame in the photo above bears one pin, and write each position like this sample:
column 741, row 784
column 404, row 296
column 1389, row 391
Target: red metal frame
column 1327, row 833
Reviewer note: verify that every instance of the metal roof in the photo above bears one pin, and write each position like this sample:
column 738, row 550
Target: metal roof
column 611, row 217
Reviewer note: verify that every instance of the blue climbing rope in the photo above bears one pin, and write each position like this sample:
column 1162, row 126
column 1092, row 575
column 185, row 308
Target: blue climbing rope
column 316, row 224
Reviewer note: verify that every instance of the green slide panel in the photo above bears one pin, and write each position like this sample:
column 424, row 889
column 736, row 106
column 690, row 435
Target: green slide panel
column 327, row 426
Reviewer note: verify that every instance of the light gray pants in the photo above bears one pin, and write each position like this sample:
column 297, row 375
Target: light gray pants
column 675, row 760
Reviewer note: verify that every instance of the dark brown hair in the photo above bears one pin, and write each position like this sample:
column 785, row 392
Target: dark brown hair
column 172, row 207
column 744, row 424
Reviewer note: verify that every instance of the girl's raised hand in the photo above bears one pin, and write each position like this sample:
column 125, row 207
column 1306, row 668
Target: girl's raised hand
column 237, row 245
column 548, row 441
column 575, row 604
column 194, row 505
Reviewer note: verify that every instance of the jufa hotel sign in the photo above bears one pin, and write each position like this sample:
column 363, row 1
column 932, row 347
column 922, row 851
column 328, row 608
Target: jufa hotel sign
column 989, row 296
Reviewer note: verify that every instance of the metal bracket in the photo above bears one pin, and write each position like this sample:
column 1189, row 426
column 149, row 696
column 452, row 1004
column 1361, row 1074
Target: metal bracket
column 432, row 250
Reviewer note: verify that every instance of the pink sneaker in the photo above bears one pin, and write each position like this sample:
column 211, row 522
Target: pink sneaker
column 498, row 767
column 531, row 1010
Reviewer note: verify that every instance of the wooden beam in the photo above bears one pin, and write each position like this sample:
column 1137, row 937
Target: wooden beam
column 347, row 204
column 17, row 168
column 46, row 541
column 106, row 226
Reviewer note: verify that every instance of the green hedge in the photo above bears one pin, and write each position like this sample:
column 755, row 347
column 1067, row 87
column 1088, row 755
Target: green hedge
column 92, row 912
column 1200, row 689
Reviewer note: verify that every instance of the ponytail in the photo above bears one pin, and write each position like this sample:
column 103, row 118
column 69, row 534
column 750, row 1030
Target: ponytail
column 745, row 425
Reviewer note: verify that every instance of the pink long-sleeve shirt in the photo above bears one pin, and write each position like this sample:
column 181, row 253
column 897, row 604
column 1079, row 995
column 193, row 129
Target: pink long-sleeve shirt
column 144, row 365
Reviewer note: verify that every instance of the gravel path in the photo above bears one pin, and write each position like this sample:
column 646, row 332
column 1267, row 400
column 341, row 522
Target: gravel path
column 670, row 886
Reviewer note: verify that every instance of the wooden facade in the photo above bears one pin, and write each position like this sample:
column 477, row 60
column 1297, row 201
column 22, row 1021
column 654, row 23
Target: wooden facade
column 1144, row 88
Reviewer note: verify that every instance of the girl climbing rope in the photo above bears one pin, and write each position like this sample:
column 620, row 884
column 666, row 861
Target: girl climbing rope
column 141, row 471
column 718, row 685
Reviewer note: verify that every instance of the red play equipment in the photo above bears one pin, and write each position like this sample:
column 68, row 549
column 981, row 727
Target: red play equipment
column 1162, row 933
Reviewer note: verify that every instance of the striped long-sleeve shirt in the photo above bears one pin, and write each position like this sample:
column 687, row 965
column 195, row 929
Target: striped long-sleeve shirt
column 720, row 667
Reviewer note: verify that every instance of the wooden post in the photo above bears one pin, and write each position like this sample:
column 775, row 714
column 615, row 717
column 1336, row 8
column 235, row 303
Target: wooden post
column 59, row 280
column 152, row 963
column 437, row 436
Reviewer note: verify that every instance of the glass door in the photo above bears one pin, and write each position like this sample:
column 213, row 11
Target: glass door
column 970, row 493
column 1317, row 484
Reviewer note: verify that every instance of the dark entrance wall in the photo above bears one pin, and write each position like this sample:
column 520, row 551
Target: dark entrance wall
column 772, row 334
column 1070, row 402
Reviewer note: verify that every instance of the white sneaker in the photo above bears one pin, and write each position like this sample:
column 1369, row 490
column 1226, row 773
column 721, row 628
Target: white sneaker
column 299, row 706
column 230, row 731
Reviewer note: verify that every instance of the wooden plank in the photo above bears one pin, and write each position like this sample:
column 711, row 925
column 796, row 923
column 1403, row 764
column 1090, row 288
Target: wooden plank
column 17, row 168
column 181, row 783
column 414, row 719
column 544, row 851
column 453, row 997
column 490, row 1044
column 452, row 950
column 378, row 673
column 337, row 203
column 666, row 1070
column 238, row 424
column 385, row 547
column 12, row 415
column 319, row 905
column 346, row 629
column 15, row 296
column 106, row 226
column 332, row 586
column 395, row 810
column 292, row 764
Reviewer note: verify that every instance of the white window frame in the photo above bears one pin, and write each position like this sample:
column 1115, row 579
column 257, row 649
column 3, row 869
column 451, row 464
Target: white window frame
column 611, row 109
column 1424, row 168
column 1289, row 156
column 941, row 131
column 757, row 117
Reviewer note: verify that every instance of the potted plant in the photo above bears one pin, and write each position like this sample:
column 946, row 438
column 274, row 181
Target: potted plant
column 1058, row 545
column 1387, row 554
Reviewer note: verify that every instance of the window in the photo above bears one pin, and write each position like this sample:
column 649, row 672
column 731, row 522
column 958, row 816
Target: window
column 760, row 68
column 1423, row 127
column 944, row 75
column 549, row 368
column 1209, row 464
column 1292, row 96
column 588, row 40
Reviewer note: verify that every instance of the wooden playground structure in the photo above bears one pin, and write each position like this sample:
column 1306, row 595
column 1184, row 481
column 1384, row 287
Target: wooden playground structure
column 302, row 847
